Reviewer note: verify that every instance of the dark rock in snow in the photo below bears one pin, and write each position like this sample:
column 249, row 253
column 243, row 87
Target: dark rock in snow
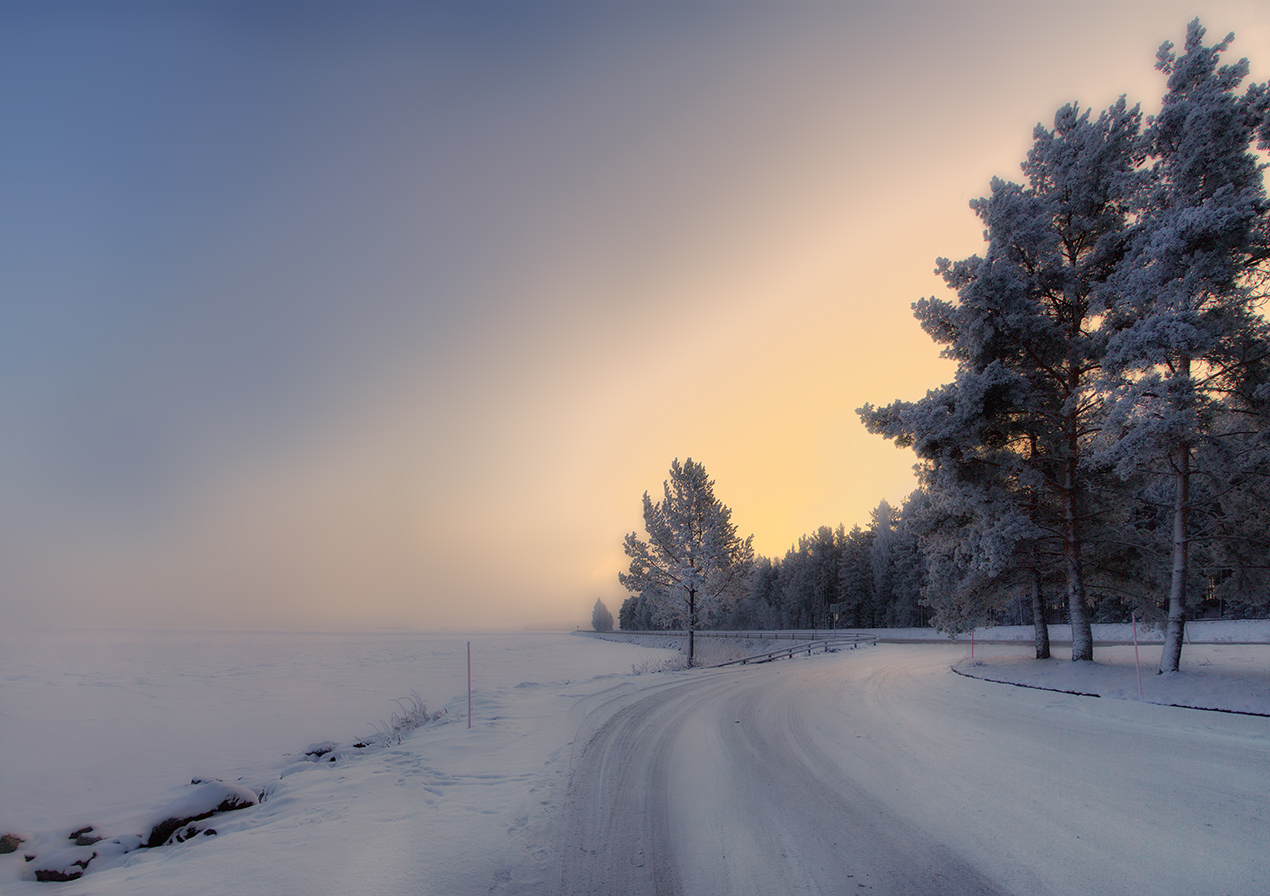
column 9, row 843
column 79, row 832
column 87, row 840
column 202, row 801
column 185, row 833
column 70, row 863
column 61, row 865
column 189, row 832
column 45, row 876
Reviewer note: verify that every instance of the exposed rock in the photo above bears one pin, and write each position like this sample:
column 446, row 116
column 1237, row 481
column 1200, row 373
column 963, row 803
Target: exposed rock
column 202, row 801
column 61, row 865
column 189, row 832
column 9, row 843
column 87, row 840
column 46, row 876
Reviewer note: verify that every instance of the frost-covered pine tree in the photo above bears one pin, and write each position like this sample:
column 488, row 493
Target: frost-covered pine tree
column 884, row 522
column 827, row 549
column 795, row 582
column 811, row 578
column 693, row 564
column 1233, row 531
column 980, row 542
column 897, row 564
column 855, row 580
column 1190, row 344
column 601, row 618
column 635, row 615
column 1027, row 334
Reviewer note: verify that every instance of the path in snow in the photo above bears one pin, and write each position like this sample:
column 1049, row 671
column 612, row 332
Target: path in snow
column 879, row 770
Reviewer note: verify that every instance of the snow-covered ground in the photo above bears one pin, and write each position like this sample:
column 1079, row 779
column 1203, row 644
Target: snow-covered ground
column 103, row 729
column 1231, row 678
column 1202, row 631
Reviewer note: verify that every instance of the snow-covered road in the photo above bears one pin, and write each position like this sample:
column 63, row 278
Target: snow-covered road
column 879, row 770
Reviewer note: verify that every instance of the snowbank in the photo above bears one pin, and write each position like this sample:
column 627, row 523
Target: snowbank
column 663, row 641
column 1220, row 677
column 1203, row 631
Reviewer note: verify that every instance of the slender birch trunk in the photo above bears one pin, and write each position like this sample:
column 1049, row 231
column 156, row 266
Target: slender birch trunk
column 692, row 623
column 1039, row 624
column 1171, row 656
column 1078, row 610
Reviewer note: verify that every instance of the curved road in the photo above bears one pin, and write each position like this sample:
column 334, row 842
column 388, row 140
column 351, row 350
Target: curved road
column 878, row 770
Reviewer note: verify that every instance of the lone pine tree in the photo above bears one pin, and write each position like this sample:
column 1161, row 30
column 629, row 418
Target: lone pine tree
column 693, row 564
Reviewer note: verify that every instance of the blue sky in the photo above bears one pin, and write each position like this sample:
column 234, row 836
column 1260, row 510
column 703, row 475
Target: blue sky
column 385, row 315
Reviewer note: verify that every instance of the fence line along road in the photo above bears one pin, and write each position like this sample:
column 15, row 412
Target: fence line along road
column 809, row 648
column 837, row 637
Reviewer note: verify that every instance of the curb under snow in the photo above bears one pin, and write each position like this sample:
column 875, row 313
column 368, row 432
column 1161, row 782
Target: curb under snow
column 1038, row 687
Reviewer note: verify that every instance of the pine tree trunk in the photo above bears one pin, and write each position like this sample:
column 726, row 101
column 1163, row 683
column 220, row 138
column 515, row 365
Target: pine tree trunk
column 1171, row 657
column 1082, row 632
column 1039, row 624
column 1077, row 609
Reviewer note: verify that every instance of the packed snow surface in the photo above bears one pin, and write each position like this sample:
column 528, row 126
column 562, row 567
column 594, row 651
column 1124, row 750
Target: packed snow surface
column 876, row 769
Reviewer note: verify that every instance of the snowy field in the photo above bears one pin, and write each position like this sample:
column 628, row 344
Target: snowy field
column 102, row 729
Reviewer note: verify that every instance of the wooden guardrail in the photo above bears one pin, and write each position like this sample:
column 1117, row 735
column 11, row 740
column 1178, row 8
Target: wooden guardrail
column 810, row 647
column 837, row 637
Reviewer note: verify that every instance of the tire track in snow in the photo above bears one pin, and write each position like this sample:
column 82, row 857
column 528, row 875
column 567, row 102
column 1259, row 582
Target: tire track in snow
column 719, row 784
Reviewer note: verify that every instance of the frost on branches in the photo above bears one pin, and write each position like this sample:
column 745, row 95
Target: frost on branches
column 693, row 565
column 1112, row 395
column 1188, row 356
column 1003, row 446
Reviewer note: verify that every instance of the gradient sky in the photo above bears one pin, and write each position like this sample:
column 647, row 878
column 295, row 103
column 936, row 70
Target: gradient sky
column 368, row 316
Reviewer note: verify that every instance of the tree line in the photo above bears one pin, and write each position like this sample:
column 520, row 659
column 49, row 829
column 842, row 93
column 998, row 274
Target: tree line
column 862, row 578
column 1103, row 449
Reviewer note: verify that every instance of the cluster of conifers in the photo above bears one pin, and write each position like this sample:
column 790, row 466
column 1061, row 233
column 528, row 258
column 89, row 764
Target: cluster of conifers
column 1104, row 444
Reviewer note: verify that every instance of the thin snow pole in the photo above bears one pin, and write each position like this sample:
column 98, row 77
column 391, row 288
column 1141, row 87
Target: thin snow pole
column 469, row 684
column 1136, row 661
column 972, row 644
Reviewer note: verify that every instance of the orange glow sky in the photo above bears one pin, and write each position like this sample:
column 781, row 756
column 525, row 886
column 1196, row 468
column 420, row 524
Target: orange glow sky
column 346, row 317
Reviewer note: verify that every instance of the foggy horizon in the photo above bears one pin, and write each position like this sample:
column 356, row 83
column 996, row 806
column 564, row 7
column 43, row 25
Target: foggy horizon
column 327, row 318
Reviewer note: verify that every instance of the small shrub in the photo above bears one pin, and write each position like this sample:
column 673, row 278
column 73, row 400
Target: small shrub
column 411, row 713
